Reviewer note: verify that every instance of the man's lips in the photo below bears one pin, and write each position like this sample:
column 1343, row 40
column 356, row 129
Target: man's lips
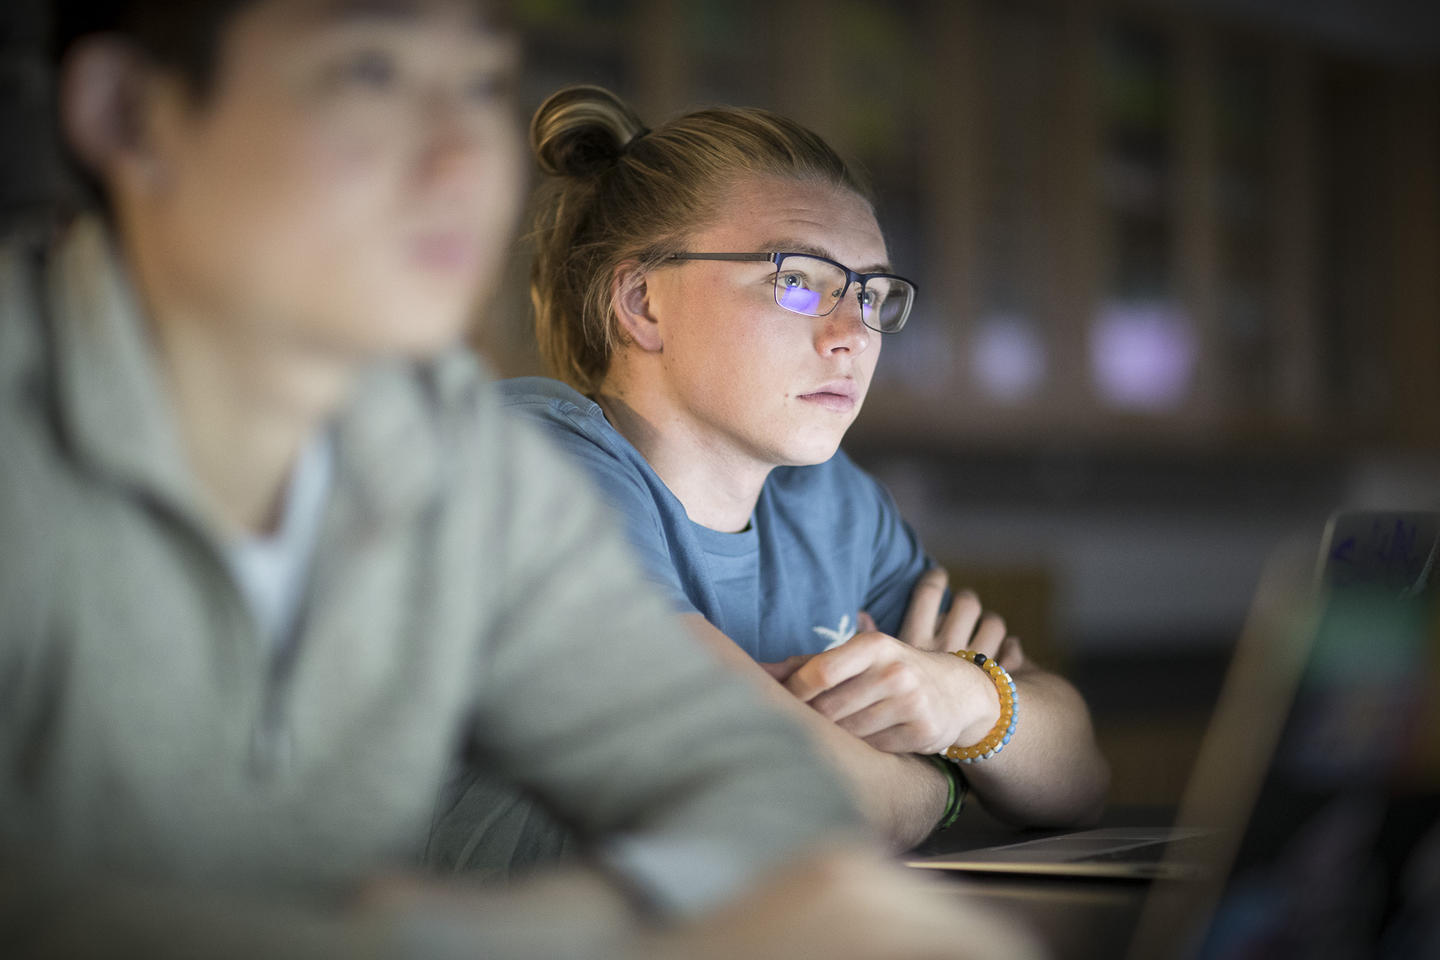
column 838, row 395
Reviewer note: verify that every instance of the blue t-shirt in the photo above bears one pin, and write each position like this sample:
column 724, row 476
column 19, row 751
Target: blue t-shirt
column 825, row 541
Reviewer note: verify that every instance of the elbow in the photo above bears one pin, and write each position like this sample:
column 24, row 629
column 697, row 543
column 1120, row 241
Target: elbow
column 1075, row 801
column 1091, row 801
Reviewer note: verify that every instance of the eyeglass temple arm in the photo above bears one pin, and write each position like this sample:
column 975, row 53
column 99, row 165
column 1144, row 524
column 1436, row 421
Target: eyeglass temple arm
column 757, row 257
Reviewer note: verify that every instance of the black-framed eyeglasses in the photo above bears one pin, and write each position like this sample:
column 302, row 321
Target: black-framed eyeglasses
column 811, row 285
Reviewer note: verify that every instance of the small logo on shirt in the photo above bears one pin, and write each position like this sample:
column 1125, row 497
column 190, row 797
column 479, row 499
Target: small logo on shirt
column 839, row 635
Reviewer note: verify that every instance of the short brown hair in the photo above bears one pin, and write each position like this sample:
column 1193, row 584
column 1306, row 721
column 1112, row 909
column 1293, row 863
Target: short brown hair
column 617, row 192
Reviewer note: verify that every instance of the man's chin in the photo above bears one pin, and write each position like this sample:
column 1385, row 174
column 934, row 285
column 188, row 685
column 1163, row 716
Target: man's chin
column 811, row 454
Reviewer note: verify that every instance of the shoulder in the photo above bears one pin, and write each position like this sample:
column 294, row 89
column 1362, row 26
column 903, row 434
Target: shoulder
column 557, row 407
column 543, row 393
column 530, row 434
column 577, row 425
column 624, row 479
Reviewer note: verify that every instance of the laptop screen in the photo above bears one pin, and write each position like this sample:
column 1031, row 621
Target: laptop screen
column 1340, row 856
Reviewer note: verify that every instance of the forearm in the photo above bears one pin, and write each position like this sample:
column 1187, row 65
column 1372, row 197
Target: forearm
column 901, row 796
column 1052, row 772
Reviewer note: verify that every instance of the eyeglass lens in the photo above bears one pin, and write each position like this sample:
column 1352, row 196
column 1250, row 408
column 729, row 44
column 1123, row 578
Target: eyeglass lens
column 812, row 286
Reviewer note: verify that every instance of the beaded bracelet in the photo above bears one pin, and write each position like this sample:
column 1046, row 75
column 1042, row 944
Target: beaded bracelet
column 1004, row 728
column 959, row 789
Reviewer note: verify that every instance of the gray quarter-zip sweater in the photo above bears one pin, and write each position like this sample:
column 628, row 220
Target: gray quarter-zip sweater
column 467, row 595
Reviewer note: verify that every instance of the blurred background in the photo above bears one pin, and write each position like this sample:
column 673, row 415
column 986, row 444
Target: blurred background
column 1179, row 264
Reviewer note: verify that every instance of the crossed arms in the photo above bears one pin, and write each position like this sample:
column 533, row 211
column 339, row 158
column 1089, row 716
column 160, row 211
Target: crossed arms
column 877, row 703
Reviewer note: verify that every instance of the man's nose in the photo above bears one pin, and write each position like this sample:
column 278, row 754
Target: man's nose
column 843, row 329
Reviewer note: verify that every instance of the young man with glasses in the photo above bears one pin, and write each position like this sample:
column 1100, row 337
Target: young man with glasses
column 713, row 293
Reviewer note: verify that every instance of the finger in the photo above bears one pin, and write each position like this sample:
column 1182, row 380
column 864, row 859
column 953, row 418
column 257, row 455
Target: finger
column 896, row 684
column 783, row 669
column 918, row 628
column 865, row 623
column 989, row 635
column 897, row 724
column 830, row 668
column 854, row 696
column 956, row 629
column 1011, row 655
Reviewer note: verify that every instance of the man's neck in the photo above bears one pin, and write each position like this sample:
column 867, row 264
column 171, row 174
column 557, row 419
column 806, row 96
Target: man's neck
column 717, row 486
column 245, row 406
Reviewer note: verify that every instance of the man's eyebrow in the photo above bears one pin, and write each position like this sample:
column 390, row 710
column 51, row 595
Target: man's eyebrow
column 796, row 246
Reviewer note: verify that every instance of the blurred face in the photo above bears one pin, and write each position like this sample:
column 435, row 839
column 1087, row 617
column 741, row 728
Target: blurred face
column 749, row 378
column 350, row 182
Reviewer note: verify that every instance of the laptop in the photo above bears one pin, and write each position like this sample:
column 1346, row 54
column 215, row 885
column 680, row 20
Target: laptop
column 1380, row 563
column 1324, row 765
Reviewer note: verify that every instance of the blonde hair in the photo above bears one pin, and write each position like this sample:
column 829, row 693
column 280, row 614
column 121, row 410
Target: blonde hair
column 616, row 192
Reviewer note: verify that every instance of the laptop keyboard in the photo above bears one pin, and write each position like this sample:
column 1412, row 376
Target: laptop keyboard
column 1146, row 853
column 1184, row 848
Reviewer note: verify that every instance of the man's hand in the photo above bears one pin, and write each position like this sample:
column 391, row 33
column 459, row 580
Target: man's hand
column 965, row 626
column 897, row 698
column 908, row 694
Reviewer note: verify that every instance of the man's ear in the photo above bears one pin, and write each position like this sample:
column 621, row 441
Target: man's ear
column 103, row 87
column 630, row 297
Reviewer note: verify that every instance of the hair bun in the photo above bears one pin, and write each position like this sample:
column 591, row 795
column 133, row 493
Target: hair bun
column 582, row 130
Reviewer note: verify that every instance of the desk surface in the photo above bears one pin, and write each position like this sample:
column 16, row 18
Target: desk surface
column 1077, row 919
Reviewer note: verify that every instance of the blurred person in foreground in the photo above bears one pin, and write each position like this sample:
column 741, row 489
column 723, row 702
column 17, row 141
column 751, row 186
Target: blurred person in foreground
column 273, row 558
column 714, row 294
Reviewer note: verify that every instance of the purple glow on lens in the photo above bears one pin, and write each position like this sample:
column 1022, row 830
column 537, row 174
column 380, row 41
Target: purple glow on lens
column 1007, row 358
column 799, row 299
column 1143, row 354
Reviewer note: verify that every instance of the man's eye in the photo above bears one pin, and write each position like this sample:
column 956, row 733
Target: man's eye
column 792, row 280
column 371, row 69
